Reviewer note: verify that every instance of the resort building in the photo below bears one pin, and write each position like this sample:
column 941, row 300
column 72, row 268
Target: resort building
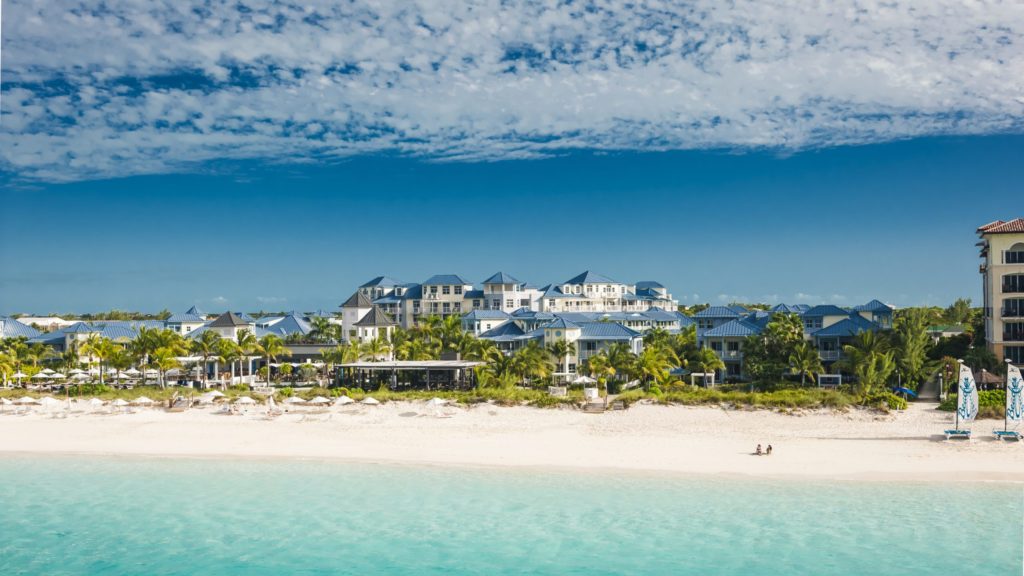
column 1002, row 273
column 120, row 331
column 13, row 328
column 187, row 321
column 448, row 294
column 229, row 324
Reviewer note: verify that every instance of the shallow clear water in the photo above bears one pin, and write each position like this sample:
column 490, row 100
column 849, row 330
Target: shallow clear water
column 140, row 516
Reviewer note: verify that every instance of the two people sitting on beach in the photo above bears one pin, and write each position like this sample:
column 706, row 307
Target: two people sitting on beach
column 767, row 452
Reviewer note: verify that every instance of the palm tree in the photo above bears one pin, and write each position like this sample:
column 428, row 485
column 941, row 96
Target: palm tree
column 377, row 349
column 805, row 360
column 163, row 359
column 97, row 347
column 206, row 347
column 561, row 350
column 622, row 359
column 324, row 330
column 708, row 361
column 271, row 346
column 229, row 352
column 247, row 344
column 654, row 364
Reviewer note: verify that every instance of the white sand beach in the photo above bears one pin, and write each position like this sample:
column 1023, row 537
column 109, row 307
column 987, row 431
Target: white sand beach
column 857, row 444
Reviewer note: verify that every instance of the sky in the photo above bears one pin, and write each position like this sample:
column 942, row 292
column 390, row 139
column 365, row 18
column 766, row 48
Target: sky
column 275, row 156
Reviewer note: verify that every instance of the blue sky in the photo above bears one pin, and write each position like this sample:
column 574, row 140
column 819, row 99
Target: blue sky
column 158, row 153
column 893, row 221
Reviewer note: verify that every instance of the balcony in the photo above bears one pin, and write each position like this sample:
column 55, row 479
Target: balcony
column 830, row 355
column 734, row 355
column 1012, row 312
column 1013, row 336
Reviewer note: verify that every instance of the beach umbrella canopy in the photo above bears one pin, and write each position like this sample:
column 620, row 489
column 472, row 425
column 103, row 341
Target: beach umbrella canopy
column 295, row 400
column 49, row 401
column 5, row 402
column 343, row 400
column 81, row 376
column 95, row 402
column 142, row 401
column 244, row 400
column 215, row 394
column 119, row 402
column 46, row 371
column 436, row 402
column 76, row 371
column 584, row 380
column 26, row 400
column 40, row 376
column 907, row 391
column 57, row 376
column 370, row 401
column 320, row 400
column 19, row 375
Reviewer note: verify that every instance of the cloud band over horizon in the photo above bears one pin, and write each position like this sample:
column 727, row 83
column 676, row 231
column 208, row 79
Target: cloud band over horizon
column 152, row 86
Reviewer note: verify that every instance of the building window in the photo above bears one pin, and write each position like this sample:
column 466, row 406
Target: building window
column 433, row 289
column 716, row 346
column 812, row 323
column 1013, row 308
column 457, row 306
column 733, row 346
column 458, row 289
column 476, row 303
column 1015, row 354
column 1013, row 283
column 558, row 333
column 510, row 303
column 1013, row 332
column 446, row 290
column 525, row 302
column 1015, row 255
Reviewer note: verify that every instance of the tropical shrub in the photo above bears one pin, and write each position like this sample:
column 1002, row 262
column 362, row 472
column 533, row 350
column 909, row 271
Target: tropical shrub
column 884, row 400
column 991, row 403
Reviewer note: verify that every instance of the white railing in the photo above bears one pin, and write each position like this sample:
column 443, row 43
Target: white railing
column 830, row 354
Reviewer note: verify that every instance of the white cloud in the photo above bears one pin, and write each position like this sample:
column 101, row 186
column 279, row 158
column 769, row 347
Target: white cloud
column 219, row 300
column 271, row 299
column 150, row 86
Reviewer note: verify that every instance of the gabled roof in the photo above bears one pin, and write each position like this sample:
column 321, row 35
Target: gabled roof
column 526, row 313
column 648, row 284
column 589, row 277
column 825, row 310
column 191, row 315
column 562, row 323
column 446, row 279
column 357, row 300
column 412, row 291
column 684, row 320
column 1015, row 226
column 485, row 315
column 504, row 332
column 501, row 278
column 786, row 309
column 733, row 329
column 660, row 315
column 551, row 291
column 382, row 281
column 376, row 317
column 473, row 294
column 12, row 328
column 228, row 320
column 80, row 328
column 850, row 326
column 290, row 324
column 720, row 312
column 606, row 331
column 874, row 306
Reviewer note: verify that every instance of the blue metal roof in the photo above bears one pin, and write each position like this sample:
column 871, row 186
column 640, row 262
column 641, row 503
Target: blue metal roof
column 504, row 332
column 551, row 291
column 383, row 282
column 660, row 315
column 684, row 320
column 12, row 328
column 445, row 279
column 589, row 277
column 825, row 310
column 733, row 329
column 191, row 315
column 79, row 328
column 501, row 278
column 720, row 312
column 485, row 315
column 851, row 326
column 526, row 313
column 648, row 284
column 785, row 309
column 413, row 292
column 874, row 306
column 290, row 324
column 606, row 331
column 474, row 293
column 562, row 323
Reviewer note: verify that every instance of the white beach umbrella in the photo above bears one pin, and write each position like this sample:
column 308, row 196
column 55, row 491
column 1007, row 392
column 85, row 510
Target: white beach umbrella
column 343, row 400
column 584, row 380
column 76, row 371
column 19, row 375
column 244, row 400
column 95, row 402
column 46, row 371
column 436, row 402
column 40, row 376
column 119, row 402
column 215, row 394
column 142, row 401
column 320, row 400
column 370, row 401
column 49, row 401
column 82, row 376
column 6, row 401
column 57, row 376
column 132, row 372
column 295, row 400
column 26, row 400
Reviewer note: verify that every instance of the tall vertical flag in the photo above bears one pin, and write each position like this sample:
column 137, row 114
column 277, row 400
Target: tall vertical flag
column 967, row 395
column 1014, row 394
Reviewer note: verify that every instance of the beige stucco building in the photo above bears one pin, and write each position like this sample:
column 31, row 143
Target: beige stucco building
column 1002, row 272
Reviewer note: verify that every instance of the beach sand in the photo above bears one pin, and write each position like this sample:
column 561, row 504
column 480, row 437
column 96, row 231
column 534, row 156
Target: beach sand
column 858, row 444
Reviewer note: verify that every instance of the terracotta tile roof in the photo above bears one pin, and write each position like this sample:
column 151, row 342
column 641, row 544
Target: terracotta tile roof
column 985, row 227
column 1011, row 227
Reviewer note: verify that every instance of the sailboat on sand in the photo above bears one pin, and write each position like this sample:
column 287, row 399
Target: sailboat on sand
column 966, row 404
column 1014, row 405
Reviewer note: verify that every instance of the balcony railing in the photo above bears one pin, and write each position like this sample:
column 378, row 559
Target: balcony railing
column 1017, row 312
column 729, row 354
column 1013, row 337
column 829, row 355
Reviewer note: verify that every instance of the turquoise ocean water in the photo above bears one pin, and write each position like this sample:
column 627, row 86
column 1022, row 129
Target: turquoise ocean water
column 93, row 516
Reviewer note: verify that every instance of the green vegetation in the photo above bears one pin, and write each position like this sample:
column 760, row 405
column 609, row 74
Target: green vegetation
column 991, row 403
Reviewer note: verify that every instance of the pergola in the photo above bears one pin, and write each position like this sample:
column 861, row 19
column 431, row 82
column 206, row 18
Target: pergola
column 406, row 374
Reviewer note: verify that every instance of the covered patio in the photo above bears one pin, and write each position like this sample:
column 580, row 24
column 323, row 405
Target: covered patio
column 411, row 374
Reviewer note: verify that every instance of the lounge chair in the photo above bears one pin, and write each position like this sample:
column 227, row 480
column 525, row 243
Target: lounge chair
column 950, row 434
column 1007, row 435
